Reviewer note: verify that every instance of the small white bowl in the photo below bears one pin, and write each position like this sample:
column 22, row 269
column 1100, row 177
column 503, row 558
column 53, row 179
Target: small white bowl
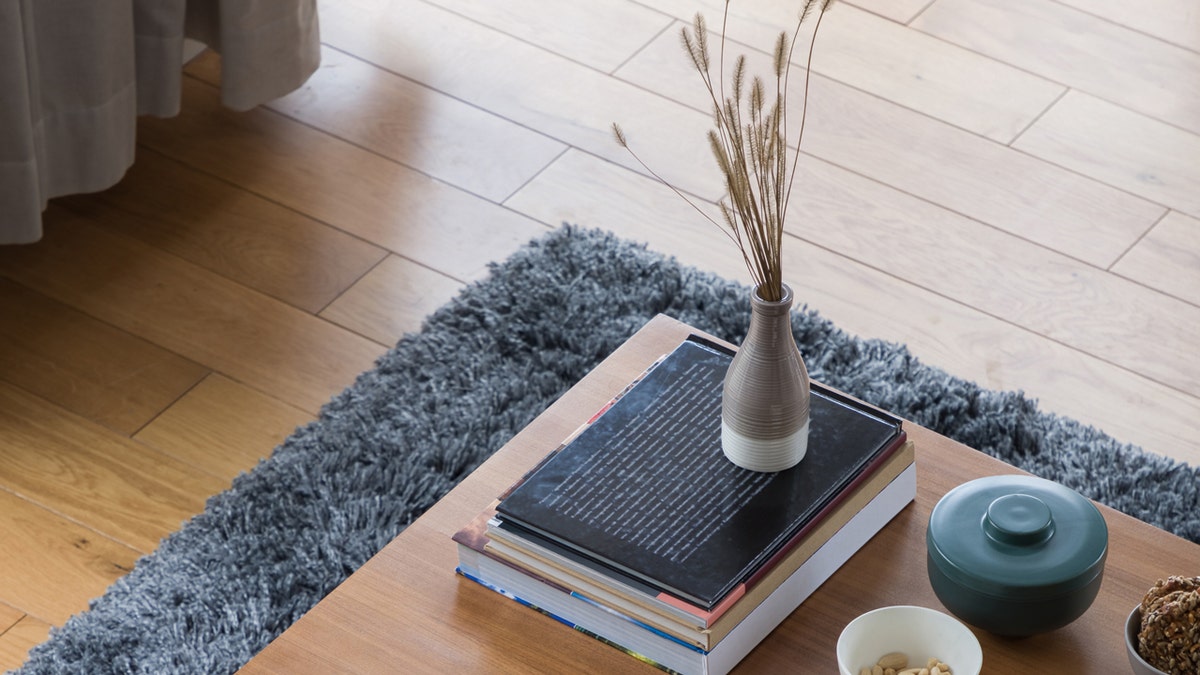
column 1133, row 625
column 919, row 632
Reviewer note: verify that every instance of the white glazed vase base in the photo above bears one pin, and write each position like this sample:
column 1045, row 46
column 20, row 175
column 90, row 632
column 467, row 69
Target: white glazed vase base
column 759, row 454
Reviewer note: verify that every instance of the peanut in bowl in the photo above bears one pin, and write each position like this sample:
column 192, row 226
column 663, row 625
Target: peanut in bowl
column 920, row 633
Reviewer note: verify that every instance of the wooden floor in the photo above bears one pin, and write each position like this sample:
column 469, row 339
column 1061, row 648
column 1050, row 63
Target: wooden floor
column 1009, row 187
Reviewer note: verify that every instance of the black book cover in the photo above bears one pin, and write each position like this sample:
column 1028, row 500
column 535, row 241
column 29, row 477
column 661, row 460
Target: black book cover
column 646, row 491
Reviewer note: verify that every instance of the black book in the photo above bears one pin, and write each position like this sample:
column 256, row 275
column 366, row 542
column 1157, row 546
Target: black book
column 645, row 491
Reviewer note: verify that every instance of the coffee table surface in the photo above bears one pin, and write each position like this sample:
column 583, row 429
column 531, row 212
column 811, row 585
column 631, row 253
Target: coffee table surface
column 406, row 610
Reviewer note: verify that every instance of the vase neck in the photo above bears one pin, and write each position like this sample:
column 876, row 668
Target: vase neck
column 772, row 308
column 771, row 321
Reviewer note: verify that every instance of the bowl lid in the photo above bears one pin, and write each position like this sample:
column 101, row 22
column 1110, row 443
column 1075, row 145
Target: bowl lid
column 1013, row 536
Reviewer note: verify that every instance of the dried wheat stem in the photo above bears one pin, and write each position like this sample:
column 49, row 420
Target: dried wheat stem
column 750, row 146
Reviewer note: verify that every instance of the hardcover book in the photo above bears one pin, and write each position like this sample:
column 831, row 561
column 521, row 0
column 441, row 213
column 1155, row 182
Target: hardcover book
column 646, row 642
column 644, row 490
column 501, row 561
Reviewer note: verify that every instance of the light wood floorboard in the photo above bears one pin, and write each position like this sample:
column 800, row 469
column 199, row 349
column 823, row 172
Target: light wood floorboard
column 207, row 318
column 1138, row 154
column 9, row 616
column 16, row 642
column 602, row 34
column 84, row 365
column 98, row 479
column 411, row 124
column 986, row 180
column 230, row 232
column 1168, row 258
column 53, row 566
column 1176, row 21
column 885, row 59
column 1008, row 187
column 392, row 300
column 900, row 11
column 1078, row 49
column 222, row 427
column 565, row 100
column 341, row 184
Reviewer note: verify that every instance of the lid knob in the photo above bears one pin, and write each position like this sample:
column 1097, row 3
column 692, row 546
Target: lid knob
column 1018, row 520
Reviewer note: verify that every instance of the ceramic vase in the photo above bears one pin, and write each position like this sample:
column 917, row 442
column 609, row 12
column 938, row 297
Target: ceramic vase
column 765, row 402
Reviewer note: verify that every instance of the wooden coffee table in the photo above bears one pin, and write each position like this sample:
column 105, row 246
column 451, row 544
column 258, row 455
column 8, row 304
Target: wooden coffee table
column 407, row 611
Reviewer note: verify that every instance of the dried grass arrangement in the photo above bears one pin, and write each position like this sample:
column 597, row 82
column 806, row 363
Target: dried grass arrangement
column 750, row 145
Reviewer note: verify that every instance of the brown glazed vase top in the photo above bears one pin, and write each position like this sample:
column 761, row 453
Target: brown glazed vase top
column 764, row 407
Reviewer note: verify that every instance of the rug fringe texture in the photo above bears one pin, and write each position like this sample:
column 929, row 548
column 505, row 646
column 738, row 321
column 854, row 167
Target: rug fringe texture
column 444, row 399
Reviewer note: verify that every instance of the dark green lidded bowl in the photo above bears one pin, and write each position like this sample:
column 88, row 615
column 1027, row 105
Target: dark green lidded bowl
column 1016, row 555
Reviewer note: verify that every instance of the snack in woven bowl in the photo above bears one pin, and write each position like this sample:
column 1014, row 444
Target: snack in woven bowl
column 1162, row 634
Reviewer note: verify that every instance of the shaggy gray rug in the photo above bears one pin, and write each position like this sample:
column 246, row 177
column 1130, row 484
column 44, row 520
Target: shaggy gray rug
column 482, row 367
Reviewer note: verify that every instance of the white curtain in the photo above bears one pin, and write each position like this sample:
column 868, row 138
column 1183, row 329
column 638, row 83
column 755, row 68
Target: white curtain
column 74, row 75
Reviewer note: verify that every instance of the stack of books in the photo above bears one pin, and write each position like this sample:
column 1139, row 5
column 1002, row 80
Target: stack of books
column 638, row 532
